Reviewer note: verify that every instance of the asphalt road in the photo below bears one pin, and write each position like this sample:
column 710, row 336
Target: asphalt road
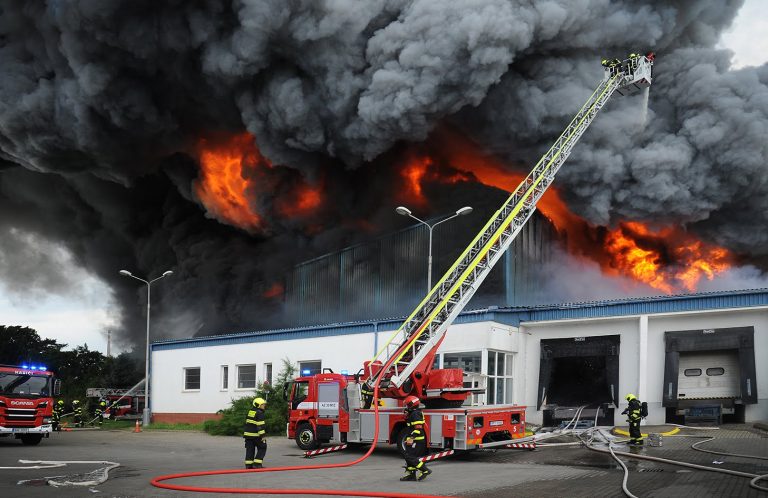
column 567, row 471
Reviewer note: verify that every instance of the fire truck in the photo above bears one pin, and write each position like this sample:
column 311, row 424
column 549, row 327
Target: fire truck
column 26, row 402
column 327, row 407
column 122, row 404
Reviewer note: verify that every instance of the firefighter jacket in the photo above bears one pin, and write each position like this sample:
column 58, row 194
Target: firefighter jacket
column 633, row 410
column 77, row 409
column 415, row 422
column 254, row 424
column 58, row 411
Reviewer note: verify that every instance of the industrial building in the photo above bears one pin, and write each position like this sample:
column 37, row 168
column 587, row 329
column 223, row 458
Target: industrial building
column 694, row 357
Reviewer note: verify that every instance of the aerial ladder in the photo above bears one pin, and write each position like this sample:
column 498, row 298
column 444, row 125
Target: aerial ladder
column 411, row 350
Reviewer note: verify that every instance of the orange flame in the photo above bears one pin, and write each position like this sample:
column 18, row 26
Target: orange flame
column 302, row 201
column 275, row 290
column 668, row 260
column 222, row 186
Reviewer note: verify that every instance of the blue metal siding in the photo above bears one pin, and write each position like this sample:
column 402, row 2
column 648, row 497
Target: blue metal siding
column 509, row 316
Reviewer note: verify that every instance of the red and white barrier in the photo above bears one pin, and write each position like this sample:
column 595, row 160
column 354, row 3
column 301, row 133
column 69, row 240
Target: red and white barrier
column 435, row 456
column 526, row 446
column 330, row 449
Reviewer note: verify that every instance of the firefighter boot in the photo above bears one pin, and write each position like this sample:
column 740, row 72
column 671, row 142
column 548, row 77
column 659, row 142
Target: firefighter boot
column 258, row 466
column 248, row 465
column 410, row 475
column 423, row 473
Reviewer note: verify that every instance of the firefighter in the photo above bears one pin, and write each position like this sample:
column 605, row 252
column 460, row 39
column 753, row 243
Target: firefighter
column 633, row 413
column 367, row 393
column 58, row 411
column 415, row 441
column 255, row 435
column 99, row 412
column 78, row 411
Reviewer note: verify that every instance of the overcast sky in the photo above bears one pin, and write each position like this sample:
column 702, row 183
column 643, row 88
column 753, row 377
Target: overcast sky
column 85, row 314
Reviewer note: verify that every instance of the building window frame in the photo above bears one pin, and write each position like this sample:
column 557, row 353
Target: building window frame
column 224, row 383
column 240, row 377
column 499, row 368
column 186, row 371
column 310, row 371
column 268, row 373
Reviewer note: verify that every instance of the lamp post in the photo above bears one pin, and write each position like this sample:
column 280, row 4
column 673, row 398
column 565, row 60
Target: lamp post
column 146, row 414
column 404, row 211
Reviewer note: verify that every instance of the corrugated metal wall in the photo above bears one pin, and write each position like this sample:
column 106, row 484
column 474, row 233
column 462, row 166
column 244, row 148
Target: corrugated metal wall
column 388, row 277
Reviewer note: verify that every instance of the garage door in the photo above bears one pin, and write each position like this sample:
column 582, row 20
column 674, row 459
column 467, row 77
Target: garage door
column 708, row 375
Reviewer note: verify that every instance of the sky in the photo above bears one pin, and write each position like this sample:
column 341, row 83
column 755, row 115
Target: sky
column 83, row 312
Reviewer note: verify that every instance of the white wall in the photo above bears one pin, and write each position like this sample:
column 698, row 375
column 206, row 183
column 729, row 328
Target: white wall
column 343, row 352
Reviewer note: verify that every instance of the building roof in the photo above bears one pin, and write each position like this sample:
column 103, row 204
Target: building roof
column 511, row 316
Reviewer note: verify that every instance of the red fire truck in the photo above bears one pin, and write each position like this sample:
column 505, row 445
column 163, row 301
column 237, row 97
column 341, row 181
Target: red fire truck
column 26, row 402
column 326, row 408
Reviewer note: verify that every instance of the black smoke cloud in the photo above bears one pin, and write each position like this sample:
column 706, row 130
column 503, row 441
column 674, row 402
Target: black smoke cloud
column 103, row 103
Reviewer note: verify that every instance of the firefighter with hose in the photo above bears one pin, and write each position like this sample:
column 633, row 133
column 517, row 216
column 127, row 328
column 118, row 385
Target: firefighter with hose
column 254, row 433
column 78, row 412
column 634, row 414
column 99, row 412
column 415, row 441
column 58, row 411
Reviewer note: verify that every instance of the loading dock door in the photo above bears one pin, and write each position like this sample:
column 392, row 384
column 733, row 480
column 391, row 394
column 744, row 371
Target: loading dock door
column 734, row 342
column 708, row 375
column 579, row 370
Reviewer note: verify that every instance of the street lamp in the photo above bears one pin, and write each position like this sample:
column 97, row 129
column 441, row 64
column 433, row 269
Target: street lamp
column 404, row 211
column 146, row 414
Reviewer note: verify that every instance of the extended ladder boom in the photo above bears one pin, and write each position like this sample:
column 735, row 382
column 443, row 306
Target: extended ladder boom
column 423, row 330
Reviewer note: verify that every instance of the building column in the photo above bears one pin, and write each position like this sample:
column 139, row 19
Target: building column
column 642, row 367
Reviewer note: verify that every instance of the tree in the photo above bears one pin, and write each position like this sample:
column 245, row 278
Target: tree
column 19, row 345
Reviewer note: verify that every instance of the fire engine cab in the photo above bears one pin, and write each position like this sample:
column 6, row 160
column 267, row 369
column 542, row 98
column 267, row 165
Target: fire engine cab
column 26, row 402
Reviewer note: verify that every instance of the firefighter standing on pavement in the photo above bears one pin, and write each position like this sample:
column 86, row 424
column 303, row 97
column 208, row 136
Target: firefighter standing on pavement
column 415, row 442
column 58, row 411
column 78, row 411
column 255, row 433
column 633, row 413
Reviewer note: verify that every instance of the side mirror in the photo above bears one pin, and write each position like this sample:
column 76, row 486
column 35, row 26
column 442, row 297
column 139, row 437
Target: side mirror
column 57, row 387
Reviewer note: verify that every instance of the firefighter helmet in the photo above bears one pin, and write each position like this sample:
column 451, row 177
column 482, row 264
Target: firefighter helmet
column 60, row 402
column 103, row 403
column 76, row 402
column 257, row 402
column 411, row 402
column 630, row 397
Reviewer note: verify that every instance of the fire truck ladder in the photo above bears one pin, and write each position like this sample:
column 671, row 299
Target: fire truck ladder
column 423, row 330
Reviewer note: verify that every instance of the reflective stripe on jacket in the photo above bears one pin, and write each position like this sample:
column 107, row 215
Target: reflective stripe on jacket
column 415, row 420
column 254, row 424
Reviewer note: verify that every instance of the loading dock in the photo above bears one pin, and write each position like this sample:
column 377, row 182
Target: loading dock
column 579, row 371
column 709, row 375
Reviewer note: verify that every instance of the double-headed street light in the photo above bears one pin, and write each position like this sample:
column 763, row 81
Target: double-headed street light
column 146, row 414
column 402, row 210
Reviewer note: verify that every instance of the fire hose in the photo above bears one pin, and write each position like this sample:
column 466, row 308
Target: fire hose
column 159, row 480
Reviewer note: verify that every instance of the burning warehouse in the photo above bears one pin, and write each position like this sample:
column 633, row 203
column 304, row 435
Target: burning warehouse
column 238, row 143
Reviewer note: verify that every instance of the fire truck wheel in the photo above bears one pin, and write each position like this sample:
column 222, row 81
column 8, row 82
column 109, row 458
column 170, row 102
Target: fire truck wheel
column 31, row 439
column 305, row 437
column 401, row 437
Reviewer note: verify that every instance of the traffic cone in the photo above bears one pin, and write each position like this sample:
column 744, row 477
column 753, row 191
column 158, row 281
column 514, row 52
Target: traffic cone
column 138, row 427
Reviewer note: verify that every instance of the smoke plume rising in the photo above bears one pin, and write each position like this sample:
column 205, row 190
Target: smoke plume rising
column 103, row 107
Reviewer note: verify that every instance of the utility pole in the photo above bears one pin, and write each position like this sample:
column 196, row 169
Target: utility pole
column 109, row 343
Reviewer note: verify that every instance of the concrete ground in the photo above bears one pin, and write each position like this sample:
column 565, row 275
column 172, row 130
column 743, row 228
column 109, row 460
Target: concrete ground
column 554, row 471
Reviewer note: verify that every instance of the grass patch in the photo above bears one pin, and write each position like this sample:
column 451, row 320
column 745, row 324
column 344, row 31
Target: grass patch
column 165, row 426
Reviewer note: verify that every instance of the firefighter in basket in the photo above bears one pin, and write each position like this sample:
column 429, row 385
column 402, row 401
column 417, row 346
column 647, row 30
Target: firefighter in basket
column 415, row 442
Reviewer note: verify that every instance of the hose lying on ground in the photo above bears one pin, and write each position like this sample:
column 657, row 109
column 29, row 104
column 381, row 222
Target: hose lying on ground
column 93, row 478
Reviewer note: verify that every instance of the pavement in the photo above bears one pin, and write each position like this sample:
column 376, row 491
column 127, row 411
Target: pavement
column 571, row 471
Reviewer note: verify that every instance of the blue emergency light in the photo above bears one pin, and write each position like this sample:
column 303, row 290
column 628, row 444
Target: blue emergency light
column 33, row 367
column 25, row 367
column 305, row 372
column 42, row 368
column 345, row 372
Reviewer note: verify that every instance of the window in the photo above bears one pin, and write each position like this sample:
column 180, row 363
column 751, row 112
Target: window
column 192, row 379
column 268, row 373
column 224, row 377
column 500, row 380
column 715, row 371
column 692, row 372
column 246, row 376
column 307, row 368
column 469, row 362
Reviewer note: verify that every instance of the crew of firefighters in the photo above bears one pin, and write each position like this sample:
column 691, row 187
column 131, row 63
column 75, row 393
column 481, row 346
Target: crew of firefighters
column 615, row 66
column 79, row 414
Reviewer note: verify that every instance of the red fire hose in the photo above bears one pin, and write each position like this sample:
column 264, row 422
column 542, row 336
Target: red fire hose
column 157, row 481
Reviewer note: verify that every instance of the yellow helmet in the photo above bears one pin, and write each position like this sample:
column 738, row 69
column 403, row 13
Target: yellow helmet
column 630, row 397
column 259, row 401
